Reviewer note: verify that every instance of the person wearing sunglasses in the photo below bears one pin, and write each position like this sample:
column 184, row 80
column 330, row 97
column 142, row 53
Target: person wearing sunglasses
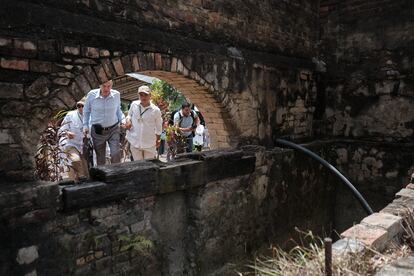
column 71, row 133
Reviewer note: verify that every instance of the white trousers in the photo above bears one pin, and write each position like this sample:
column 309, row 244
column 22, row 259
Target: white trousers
column 141, row 154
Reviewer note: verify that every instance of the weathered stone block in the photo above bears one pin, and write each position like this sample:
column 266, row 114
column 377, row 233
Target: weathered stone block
column 158, row 61
column 345, row 246
column 83, row 84
column 142, row 59
column 109, row 69
column 166, row 62
column 27, row 255
column 150, row 61
column 40, row 66
column 71, row 50
column 126, row 64
column 391, row 223
column 90, row 75
column 61, row 81
column 15, row 64
column 134, row 63
column 124, row 172
column 25, row 44
column 100, row 72
column 375, row 238
column 104, row 53
column 90, row 52
column 39, row 88
column 84, row 195
column 83, row 61
column 181, row 175
column 5, row 42
column 119, row 69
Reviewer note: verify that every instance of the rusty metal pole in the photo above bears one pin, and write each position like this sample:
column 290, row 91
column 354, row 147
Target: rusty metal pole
column 328, row 256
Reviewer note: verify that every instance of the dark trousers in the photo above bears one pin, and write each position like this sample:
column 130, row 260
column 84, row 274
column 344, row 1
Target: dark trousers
column 189, row 147
column 111, row 136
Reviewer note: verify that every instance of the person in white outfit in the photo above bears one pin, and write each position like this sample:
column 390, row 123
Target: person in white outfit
column 72, row 131
column 144, row 126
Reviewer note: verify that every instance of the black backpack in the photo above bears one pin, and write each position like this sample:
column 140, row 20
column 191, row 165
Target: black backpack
column 171, row 120
column 201, row 118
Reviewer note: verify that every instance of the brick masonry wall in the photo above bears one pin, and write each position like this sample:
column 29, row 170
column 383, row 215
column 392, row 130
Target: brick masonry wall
column 368, row 86
column 198, row 223
column 287, row 27
column 66, row 49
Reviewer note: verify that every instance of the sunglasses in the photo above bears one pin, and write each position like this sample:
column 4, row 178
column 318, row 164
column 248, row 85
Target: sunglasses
column 79, row 105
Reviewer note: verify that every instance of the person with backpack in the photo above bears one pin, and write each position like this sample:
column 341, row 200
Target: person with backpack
column 187, row 121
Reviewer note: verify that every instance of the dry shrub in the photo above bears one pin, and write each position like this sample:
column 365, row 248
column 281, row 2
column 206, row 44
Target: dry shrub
column 309, row 259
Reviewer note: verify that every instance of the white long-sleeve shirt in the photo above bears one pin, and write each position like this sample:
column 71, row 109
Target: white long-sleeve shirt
column 73, row 122
column 146, row 123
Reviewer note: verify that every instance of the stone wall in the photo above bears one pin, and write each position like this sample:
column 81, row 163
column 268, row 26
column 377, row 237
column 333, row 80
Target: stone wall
column 197, row 221
column 52, row 53
column 367, row 91
column 269, row 26
column 378, row 171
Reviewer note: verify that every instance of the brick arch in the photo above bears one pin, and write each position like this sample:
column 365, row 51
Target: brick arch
column 172, row 70
column 57, row 89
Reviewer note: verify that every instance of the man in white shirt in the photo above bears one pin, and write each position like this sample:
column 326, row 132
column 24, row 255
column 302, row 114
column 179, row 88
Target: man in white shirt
column 72, row 142
column 144, row 126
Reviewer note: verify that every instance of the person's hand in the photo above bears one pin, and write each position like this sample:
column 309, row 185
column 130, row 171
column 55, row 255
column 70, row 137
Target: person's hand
column 128, row 125
column 70, row 135
column 157, row 143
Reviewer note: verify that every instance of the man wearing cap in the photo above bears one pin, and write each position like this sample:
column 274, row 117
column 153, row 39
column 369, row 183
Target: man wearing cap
column 72, row 141
column 103, row 113
column 144, row 124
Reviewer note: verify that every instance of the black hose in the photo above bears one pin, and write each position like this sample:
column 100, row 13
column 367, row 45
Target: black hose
column 349, row 185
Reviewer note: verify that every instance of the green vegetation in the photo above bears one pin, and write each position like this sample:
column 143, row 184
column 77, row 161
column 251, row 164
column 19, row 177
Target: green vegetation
column 136, row 243
column 162, row 90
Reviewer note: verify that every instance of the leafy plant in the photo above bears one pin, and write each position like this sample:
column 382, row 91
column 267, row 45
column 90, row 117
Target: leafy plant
column 170, row 95
column 136, row 243
column 49, row 154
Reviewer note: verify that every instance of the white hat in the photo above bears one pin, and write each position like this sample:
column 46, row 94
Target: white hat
column 81, row 101
column 144, row 89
